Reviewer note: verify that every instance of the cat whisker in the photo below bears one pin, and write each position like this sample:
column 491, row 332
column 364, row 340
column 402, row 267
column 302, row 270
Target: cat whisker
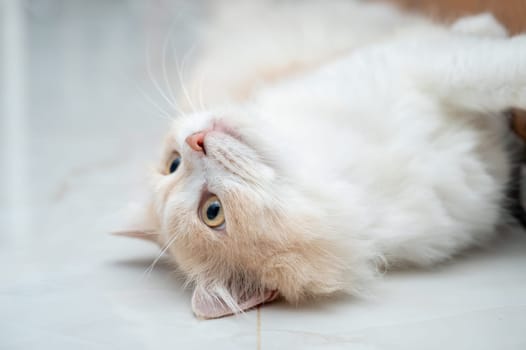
column 180, row 74
column 150, row 268
column 171, row 103
column 163, row 113
column 200, row 93
column 163, row 64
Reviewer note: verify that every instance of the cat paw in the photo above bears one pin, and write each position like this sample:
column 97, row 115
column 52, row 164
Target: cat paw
column 484, row 24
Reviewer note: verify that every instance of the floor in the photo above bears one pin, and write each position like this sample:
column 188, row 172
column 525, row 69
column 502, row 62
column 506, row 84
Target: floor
column 78, row 131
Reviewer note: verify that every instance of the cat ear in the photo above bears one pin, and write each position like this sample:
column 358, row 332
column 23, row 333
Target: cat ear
column 208, row 304
column 144, row 222
column 148, row 235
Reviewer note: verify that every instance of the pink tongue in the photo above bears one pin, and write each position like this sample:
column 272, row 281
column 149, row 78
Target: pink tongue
column 206, row 307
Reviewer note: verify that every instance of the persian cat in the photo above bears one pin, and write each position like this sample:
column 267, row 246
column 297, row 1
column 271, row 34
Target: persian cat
column 338, row 138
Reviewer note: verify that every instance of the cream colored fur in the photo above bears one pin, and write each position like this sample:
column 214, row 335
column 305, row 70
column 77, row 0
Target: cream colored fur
column 361, row 137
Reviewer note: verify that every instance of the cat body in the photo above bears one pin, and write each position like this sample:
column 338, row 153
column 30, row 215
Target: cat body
column 395, row 153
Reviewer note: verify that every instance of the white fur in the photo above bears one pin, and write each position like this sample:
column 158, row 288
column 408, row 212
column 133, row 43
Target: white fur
column 395, row 152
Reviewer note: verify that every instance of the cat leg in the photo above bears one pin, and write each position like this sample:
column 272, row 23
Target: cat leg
column 473, row 73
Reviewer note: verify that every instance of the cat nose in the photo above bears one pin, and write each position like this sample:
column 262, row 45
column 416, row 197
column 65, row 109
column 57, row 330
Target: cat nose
column 196, row 141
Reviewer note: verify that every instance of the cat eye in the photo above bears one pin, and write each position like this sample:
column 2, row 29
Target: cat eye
column 212, row 212
column 174, row 164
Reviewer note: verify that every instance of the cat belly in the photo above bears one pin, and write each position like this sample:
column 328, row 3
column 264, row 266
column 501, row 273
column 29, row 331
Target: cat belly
column 430, row 195
column 421, row 180
column 420, row 188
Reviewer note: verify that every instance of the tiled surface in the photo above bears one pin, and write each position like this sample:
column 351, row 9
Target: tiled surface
column 77, row 138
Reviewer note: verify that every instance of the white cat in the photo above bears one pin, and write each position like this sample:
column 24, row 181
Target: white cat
column 373, row 138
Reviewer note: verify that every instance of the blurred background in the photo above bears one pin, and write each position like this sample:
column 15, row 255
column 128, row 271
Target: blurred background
column 509, row 12
column 79, row 104
column 80, row 123
column 81, row 117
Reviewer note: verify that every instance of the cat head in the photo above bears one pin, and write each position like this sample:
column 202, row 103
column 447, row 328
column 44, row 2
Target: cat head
column 237, row 219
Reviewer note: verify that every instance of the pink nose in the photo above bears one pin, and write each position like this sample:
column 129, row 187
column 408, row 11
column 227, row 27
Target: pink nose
column 196, row 141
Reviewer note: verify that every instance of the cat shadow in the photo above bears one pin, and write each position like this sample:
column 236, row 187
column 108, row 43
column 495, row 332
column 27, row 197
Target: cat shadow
column 143, row 263
column 163, row 271
column 506, row 247
column 509, row 246
column 327, row 304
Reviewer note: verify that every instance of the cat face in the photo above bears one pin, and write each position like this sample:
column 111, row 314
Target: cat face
column 235, row 221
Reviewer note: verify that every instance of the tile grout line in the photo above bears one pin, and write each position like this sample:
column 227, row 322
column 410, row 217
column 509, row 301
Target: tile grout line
column 258, row 328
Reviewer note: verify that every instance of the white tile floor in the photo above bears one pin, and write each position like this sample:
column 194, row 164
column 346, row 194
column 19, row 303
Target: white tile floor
column 77, row 137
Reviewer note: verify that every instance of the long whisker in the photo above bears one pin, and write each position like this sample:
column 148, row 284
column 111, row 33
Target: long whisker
column 188, row 53
column 156, row 83
column 165, row 72
column 200, row 93
column 163, row 113
column 180, row 74
column 149, row 270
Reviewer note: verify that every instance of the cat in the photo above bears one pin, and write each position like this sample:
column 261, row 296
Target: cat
column 366, row 148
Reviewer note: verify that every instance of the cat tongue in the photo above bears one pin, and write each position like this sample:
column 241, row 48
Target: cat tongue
column 206, row 307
